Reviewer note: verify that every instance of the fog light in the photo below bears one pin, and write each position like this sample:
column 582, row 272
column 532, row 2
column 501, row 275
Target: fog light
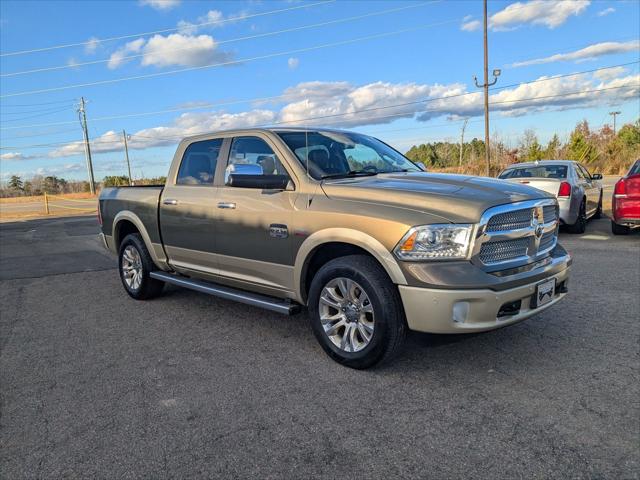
column 460, row 312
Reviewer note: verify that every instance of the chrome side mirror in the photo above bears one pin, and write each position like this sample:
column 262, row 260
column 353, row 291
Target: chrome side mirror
column 241, row 169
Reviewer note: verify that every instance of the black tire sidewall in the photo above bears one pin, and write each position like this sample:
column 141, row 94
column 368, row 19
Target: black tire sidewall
column 385, row 307
column 136, row 241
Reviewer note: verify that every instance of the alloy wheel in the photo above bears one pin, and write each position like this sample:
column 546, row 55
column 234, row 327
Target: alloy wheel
column 132, row 267
column 346, row 314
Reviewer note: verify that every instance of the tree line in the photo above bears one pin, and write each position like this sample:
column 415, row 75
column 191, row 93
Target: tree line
column 601, row 150
column 53, row 185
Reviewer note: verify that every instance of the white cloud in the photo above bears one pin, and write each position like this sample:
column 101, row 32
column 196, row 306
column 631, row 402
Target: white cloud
column 117, row 58
column 91, row 46
column 341, row 104
column 470, row 26
column 177, row 49
column 212, row 19
column 587, row 53
column 15, row 156
column 60, row 169
column 173, row 49
column 185, row 125
column 160, row 4
column 293, row 63
column 610, row 73
column 537, row 12
column 606, row 11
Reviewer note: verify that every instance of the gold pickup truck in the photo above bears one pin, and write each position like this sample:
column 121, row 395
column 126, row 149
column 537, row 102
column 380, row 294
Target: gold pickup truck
column 344, row 225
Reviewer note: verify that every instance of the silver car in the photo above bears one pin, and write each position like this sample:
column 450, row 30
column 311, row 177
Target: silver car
column 578, row 192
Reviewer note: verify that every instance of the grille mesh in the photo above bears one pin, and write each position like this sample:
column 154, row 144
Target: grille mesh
column 503, row 250
column 549, row 213
column 547, row 240
column 510, row 220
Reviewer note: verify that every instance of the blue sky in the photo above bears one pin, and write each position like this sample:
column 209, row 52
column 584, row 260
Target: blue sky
column 363, row 65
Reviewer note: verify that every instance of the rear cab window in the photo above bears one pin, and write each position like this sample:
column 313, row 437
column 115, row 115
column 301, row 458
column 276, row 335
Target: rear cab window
column 199, row 162
column 536, row 171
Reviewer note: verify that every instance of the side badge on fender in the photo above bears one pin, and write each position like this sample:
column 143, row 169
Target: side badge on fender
column 277, row 230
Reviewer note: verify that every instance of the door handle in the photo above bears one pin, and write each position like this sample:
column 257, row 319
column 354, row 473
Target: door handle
column 229, row 205
column 170, row 202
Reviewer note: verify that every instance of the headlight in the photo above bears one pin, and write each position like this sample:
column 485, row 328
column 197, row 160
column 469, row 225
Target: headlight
column 435, row 242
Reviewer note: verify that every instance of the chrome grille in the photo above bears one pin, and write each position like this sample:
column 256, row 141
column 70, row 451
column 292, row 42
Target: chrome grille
column 549, row 213
column 547, row 241
column 516, row 234
column 504, row 250
column 510, row 220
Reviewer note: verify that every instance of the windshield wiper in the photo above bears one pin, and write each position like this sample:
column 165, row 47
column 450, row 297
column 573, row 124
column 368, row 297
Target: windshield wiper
column 352, row 173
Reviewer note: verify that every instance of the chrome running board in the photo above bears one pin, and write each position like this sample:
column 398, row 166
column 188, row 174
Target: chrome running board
column 255, row 299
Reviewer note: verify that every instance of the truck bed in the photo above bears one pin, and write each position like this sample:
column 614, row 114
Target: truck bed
column 142, row 200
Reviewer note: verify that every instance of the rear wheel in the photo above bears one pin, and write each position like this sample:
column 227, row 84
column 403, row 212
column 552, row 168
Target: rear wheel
column 356, row 312
column 619, row 229
column 135, row 265
column 581, row 222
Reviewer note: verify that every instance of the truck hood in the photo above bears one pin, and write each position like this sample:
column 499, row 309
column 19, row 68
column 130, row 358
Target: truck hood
column 456, row 198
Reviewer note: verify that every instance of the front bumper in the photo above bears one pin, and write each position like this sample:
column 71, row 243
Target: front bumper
column 462, row 311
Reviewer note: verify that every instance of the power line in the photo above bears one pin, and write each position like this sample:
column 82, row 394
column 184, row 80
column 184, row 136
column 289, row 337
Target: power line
column 175, row 29
column 38, row 104
column 284, row 96
column 41, row 134
column 40, row 110
column 50, row 112
column 230, row 62
column 401, row 114
column 322, row 117
column 222, row 42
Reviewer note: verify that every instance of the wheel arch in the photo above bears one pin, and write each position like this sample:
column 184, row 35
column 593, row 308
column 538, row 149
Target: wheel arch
column 332, row 243
column 126, row 222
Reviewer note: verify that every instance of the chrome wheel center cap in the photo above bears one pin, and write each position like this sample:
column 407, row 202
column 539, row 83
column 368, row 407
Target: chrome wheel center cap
column 352, row 313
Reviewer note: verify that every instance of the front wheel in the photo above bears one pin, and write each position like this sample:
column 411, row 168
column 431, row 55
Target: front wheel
column 135, row 265
column 356, row 312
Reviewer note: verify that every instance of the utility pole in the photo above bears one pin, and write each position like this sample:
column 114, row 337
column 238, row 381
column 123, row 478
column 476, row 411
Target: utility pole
column 464, row 126
column 486, row 85
column 126, row 154
column 87, row 148
column 614, row 114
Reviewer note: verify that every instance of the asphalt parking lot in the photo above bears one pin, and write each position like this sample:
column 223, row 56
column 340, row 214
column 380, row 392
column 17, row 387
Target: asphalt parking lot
column 97, row 385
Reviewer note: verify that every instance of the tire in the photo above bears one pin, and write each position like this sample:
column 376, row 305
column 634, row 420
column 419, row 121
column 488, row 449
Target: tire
column 598, row 213
column 581, row 222
column 377, row 312
column 134, row 258
column 619, row 229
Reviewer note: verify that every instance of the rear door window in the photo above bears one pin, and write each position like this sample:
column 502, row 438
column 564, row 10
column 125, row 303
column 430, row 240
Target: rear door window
column 199, row 162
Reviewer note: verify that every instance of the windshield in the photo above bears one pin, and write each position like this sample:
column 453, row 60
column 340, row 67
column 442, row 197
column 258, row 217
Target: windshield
column 336, row 154
column 536, row 171
column 635, row 169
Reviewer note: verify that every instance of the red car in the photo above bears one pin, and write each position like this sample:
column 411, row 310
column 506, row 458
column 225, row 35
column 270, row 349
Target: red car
column 626, row 201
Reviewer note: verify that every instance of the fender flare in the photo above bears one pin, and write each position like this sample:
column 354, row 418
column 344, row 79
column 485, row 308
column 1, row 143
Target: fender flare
column 352, row 237
column 155, row 250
